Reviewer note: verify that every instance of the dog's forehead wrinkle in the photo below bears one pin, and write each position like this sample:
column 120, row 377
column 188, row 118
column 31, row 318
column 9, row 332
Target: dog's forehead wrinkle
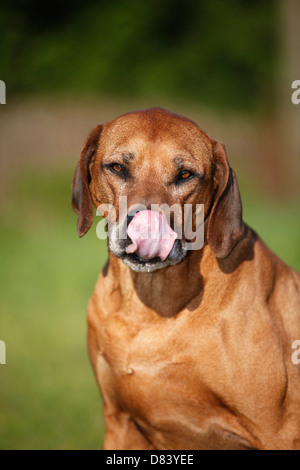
column 144, row 138
column 178, row 162
column 127, row 157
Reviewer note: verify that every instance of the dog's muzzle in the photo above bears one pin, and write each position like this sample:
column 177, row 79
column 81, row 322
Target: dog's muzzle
column 150, row 242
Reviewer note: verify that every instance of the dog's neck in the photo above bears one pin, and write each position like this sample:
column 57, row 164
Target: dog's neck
column 168, row 291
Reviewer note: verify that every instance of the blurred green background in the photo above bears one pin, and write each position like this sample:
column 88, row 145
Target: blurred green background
column 71, row 65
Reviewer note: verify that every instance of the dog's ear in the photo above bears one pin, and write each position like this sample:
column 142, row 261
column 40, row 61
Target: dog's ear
column 225, row 226
column 81, row 196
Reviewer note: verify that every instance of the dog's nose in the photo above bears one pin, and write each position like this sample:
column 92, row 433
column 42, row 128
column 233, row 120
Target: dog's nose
column 130, row 217
column 133, row 212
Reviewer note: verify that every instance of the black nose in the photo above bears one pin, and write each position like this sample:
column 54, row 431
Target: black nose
column 133, row 212
column 129, row 218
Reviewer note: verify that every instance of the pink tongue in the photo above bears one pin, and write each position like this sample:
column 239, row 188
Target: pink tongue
column 151, row 236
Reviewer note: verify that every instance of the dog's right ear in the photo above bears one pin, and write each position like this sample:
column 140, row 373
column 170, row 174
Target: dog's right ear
column 81, row 196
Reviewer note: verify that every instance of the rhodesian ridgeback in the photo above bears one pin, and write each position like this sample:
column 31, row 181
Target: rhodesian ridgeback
column 191, row 348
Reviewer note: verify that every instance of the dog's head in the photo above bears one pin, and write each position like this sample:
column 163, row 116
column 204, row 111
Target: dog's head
column 156, row 157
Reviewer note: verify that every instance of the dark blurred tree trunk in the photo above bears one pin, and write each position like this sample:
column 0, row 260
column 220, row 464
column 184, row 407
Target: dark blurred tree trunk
column 290, row 71
column 278, row 159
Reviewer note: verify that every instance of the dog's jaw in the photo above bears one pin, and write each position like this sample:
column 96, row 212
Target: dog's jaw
column 149, row 266
column 118, row 248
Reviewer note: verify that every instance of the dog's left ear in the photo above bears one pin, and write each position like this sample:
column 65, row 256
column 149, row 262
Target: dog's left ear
column 81, row 196
column 225, row 226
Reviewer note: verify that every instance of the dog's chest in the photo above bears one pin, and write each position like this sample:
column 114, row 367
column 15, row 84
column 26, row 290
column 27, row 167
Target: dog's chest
column 147, row 357
column 136, row 354
column 153, row 373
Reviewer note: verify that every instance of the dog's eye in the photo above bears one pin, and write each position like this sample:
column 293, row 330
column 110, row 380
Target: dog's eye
column 117, row 167
column 184, row 175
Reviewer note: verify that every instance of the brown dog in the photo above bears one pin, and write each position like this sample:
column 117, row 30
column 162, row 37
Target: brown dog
column 193, row 351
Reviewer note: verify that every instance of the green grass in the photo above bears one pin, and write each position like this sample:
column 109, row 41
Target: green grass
column 48, row 395
column 277, row 223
